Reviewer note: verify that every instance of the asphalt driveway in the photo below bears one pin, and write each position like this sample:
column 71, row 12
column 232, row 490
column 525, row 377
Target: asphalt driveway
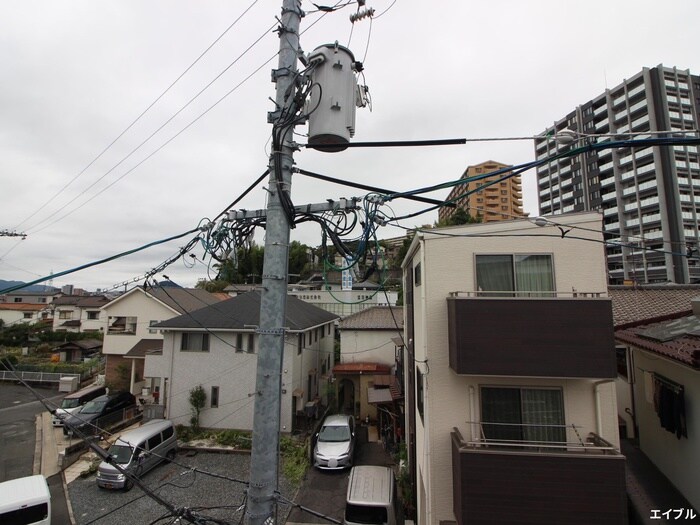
column 324, row 491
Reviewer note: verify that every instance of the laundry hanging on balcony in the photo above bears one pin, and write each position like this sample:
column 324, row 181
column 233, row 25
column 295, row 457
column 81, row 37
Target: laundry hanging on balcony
column 669, row 403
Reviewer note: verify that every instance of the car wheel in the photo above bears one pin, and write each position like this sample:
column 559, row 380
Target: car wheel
column 170, row 456
column 128, row 484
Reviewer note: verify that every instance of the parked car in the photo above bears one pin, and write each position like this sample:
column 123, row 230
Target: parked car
column 137, row 452
column 335, row 443
column 84, row 421
column 371, row 497
column 74, row 401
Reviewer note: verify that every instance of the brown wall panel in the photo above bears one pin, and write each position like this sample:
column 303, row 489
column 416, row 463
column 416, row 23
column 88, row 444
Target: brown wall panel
column 531, row 337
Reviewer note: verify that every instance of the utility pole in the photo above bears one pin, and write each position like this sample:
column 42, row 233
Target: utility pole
column 266, row 423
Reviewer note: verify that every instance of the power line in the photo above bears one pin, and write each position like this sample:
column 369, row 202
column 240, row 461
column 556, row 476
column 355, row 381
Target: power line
column 139, row 117
column 134, row 150
column 100, row 261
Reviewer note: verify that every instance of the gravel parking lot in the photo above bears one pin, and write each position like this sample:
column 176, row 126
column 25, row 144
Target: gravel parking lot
column 177, row 484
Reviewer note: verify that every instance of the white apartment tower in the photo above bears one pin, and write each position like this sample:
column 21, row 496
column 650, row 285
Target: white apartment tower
column 649, row 196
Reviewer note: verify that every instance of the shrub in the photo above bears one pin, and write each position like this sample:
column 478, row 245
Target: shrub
column 198, row 398
column 234, row 438
column 295, row 459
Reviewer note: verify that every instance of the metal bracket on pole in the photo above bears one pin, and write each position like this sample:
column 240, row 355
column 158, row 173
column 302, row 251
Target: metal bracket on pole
column 341, row 204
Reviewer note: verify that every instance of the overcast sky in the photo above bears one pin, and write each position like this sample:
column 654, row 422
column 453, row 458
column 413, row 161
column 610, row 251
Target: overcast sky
column 76, row 74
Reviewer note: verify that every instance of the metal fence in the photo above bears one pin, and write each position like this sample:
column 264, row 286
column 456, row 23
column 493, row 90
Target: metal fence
column 34, row 377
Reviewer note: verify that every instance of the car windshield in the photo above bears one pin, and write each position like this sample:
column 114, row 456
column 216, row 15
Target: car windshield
column 334, row 433
column 365, row 514
column 120, row 453
column 70, row 403
column 93, row 407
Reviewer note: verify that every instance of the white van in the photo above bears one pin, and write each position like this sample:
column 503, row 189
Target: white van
column 371, row 497
column 73, row 402
column 25, row 501
column 137, row 452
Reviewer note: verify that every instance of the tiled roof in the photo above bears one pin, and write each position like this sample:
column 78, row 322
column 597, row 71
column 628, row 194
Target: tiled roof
column 685, row 347
column 83, row 344
column 22, row 307
column 74, row 322
column 82, row 301
column 243, row 311
column 375, row 318
column 635, row 304
column 184, row 299
column 145, row 346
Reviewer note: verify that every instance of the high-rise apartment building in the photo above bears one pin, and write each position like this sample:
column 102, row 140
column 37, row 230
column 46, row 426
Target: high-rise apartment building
column 649, row 196
column 496, row 202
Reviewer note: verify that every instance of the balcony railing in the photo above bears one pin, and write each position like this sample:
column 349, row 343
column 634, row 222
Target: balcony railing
column 553, row 438
column 496, row 484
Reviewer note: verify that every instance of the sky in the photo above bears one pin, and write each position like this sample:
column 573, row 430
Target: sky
column 76, row 75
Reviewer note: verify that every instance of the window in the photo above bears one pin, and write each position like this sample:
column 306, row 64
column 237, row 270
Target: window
column 27, row 315
column 248, row 347
column 154, row 441
column 417, row 276
column 152, row 330
column 419, row 392
column 621, row 357
column 523, row 414
column 18, row 299
column 168, row 433
column 122, row 325
column 194, row 342
column 214, row 397
column 300, row 343
column 93, row 315
column 42, row 299
column 65, row 314
column 498, row 274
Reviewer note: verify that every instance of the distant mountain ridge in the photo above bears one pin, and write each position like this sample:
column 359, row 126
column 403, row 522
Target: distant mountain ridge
column 34, row 288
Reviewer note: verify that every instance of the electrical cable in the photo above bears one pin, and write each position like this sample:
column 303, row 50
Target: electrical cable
column 359, row 186
column 390, row 144
column 98, row 262
column 134, row 150
column 173, row 511
column 172, row 84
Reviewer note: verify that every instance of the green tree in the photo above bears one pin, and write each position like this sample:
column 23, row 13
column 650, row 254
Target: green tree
column 460, row 216
column 198, row 398
column 298, row 259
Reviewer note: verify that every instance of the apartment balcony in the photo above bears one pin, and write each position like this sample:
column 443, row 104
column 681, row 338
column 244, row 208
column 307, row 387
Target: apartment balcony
column 533, row 482
column 551, row 335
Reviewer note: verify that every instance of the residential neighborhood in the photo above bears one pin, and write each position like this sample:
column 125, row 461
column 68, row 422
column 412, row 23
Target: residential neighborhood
column 249, row 273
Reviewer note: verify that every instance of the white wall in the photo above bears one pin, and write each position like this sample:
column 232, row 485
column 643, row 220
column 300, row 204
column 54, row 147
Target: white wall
column 678, row 459
column 235, row 374
column 145, row 309
column 12, row 317
column 374, row 346
column 448, row 265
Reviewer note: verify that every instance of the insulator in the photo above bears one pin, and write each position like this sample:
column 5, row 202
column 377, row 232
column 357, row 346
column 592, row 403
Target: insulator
column 364, row 13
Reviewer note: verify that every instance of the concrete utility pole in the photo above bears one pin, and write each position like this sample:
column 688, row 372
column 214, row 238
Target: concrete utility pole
column 266, row 423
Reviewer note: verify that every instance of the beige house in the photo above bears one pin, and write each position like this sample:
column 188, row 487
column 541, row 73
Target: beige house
column 366, row 377
column 18, row 313
column 511, row 415
column 129, row 332
column 79, row 313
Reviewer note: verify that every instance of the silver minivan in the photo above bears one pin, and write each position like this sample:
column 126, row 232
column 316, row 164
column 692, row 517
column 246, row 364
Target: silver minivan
column 137, row 452
column 371, row 497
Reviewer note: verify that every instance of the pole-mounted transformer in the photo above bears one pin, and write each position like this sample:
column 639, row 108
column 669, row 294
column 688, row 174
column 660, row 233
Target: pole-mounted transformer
column 333, row 97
